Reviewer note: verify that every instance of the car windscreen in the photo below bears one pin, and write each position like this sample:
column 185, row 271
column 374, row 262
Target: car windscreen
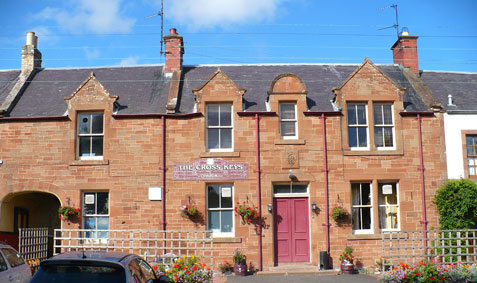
column 80, row 273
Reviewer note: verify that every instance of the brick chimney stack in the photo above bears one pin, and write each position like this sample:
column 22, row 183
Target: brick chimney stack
column 405, row 51
column 31, row 56
column 174, row 50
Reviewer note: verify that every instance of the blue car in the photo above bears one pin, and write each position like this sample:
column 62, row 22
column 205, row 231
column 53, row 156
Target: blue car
column 96, row 266
column 12, row 266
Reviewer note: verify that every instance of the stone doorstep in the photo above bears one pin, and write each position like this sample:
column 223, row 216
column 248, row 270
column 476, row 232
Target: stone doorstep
column 293, row 269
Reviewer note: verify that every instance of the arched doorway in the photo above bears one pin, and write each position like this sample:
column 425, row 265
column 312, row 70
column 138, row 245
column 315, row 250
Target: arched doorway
column 28, row 209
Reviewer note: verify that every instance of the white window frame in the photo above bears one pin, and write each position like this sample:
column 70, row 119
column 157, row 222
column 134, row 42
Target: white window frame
column 215, row 233
column 295, row 120
column 355, row 104
column 371, row 229
column 471, row 159
column 231, row 149
column 392, row 125
column 79, row 135
column 95, row 237
column 380, row 184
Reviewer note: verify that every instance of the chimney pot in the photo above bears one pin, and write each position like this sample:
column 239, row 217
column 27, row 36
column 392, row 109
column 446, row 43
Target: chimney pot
column 30, row 39
column 172, row 31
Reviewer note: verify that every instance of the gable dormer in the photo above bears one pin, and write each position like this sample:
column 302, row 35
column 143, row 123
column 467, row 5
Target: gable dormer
column 371, row 102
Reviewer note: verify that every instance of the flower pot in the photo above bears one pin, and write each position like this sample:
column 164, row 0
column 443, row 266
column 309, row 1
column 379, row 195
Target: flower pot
column 347, row 267
column 240, row 268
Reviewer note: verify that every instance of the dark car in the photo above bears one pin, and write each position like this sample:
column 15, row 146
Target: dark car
column 96, row 266
column 12, row 266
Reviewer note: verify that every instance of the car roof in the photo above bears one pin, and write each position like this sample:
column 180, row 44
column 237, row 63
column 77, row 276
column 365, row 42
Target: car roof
column 6, row 246
column 93, row 255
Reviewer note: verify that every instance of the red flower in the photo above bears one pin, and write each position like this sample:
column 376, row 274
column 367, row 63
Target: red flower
column 432, row 278
column 417, row 273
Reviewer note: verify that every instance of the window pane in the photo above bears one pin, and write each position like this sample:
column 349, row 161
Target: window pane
column 469, row 140
column 89, row 223
column 299, row 189
column 84, row 146
column 387, row 199
column 287, row 128
column 362, row 137
column 287, row 111
column 388, row 115
column 12, row 257
column 388, row 136
column 470, row 150
column 213, row 138
column 366, row 218
column 378, row 136
column 355, row 191
column 102, row 205
column 470, row 161
column 351, row 114
column 97, row 125
column 365, row 194
column 225, row 138
column 388, row 217
column 227, row 221
column 225, row 115
column 212, row 115
column 89, row 208
column 213, row 197
column 226, row 202
column 361, row 114
column 378, row 114
column 84, row 123
column 97, row 149
column 103, row 223
column 472, row 171
column 352, row 137
column 3, row 264
column 281, row 189
column 214, row 220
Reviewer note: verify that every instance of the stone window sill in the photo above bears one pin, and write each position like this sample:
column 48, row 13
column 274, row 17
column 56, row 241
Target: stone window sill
column 89, row 162
column 283, row 142
column 219, row 154
column 396, row 152
column 227, row 240
column 357, row 237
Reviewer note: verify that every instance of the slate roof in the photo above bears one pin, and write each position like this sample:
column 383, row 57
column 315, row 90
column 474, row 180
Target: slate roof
column 144, row 89
column 7, row 81
column 462, row 87
column 140, row 90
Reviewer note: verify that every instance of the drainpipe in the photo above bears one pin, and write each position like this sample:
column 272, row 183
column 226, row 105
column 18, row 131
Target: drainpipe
column 325, row 170
column 259, row 190
column 163, row 120
column 423, row 182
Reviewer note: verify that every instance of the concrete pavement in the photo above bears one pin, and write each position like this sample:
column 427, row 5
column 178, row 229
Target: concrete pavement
column 299, row 278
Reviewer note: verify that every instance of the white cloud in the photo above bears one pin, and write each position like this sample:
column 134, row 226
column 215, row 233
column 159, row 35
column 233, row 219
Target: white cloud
column 103, row 16
column 129, row 61
column 91, row 53
column 210, row 13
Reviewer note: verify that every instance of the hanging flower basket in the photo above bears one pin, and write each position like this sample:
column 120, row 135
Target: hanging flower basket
column 189, row 210
column 248, row 214
column 66, row 213
column 339, row 213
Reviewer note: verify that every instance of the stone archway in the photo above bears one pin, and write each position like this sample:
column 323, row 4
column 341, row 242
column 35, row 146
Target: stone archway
column 28, row 209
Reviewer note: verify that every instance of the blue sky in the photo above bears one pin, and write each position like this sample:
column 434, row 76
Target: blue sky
column 82, row 33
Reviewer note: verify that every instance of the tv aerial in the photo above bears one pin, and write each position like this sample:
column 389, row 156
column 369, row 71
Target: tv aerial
column 396, row 25
column 160, row 14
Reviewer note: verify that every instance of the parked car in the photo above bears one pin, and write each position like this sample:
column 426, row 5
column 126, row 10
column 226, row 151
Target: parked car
column 96, row 266
column 12, row 266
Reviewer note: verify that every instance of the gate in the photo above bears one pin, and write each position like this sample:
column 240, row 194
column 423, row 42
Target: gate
column 33, row 244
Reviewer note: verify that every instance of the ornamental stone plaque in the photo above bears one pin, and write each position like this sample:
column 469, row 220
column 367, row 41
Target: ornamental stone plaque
column 210, row 169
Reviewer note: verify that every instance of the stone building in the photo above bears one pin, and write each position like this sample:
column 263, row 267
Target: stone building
column 294, row 140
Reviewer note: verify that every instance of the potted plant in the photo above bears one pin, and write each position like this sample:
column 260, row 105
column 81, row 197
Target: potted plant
column 240, row 263
column 339, row 213
column 248, row 214
column 189, row 210
column 66, row 213
column 226, row 268
column 346, row 258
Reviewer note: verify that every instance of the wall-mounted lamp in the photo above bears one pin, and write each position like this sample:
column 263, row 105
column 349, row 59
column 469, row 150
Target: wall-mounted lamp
column 314, row 208
column 270, row 208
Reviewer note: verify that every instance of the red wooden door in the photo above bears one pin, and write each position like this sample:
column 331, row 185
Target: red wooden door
column 292, row 243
